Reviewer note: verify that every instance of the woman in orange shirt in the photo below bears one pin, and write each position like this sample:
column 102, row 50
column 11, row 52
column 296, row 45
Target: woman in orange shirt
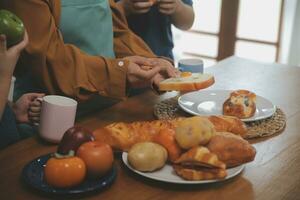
column 80, row 48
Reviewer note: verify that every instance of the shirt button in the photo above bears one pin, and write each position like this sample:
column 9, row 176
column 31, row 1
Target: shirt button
column 121, row 63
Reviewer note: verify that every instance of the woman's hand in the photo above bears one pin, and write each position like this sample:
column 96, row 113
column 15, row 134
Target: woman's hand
column 137, row 76
column 135, row 6
column 27, row 108
column 9, row 57
column 143, row 72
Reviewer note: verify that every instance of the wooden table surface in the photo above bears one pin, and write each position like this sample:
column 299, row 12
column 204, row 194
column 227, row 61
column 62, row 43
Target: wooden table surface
column 275, row 173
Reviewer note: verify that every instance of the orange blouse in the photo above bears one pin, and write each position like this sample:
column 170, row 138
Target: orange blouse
column 63, row 68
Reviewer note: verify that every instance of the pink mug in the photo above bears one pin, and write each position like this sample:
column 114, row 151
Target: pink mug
column 57, row 115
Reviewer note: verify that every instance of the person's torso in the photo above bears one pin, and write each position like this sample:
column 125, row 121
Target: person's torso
column 87, row 24
column 155, row 29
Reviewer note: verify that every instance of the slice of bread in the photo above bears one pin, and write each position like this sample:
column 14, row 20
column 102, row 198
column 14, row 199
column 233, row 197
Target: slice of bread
column 195, row 81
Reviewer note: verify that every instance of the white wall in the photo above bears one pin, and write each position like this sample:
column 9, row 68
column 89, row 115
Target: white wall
column 290, row 41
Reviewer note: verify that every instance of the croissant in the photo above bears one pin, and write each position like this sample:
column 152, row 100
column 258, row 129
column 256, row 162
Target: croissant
column 200, row 156
column 199, row 164
column 231, row 149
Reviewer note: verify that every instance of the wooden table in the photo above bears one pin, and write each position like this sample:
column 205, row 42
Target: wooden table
column 275, row 173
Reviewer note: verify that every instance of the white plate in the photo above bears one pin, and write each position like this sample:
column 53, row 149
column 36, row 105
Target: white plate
column 167, row 174
column 210, row 102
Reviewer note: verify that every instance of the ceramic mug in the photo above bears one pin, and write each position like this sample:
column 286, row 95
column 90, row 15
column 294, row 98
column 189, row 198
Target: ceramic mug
column 193, row 65
column 57, row 115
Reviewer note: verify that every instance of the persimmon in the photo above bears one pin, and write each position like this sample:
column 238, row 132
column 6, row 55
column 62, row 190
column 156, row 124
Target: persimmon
column 97, row 156
column 64, row 172
column 166, row 138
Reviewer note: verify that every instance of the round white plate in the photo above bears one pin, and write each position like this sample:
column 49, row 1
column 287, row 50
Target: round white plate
column 167, row 174
column 210, row 102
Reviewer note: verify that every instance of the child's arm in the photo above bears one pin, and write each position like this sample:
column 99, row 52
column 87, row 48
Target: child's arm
column 182, row 15
column 8, row 60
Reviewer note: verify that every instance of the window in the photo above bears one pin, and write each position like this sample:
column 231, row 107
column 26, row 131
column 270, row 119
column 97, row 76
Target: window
column 232, row 27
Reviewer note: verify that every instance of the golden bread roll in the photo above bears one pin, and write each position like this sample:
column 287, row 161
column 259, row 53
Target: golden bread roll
column 147, row 156
column 193, row 131
column 231, row 149
column 241, row 103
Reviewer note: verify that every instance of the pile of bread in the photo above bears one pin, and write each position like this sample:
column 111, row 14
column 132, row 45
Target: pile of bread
column 198, row 148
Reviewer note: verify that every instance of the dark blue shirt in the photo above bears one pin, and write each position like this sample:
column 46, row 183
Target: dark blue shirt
column 155, row 29
column 8, row 128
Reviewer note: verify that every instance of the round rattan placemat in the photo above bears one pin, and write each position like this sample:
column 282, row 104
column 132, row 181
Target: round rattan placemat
column 169, row 109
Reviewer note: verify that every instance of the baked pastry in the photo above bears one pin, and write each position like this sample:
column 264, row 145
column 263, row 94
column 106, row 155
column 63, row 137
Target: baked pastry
column 200, row 156
column 147, row 156
column 231, row 149
column 121, row 136
column 241, row 103
column 166, row 138
column 197, row 174
column 199, row 164
column 187, row 82
column 229, row 124
column 193, row 131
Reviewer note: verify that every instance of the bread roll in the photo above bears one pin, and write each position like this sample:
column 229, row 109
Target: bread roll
column 147, row 156
column 194, row 131
column 241, row 104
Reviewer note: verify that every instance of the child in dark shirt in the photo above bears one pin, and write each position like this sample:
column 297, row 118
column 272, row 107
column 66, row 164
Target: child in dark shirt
column 152, row 20
column 25, row 109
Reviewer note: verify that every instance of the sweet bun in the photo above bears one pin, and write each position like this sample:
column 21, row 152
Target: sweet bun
column 187, row 82
column 241, row 104
column 147, row 156
column 194, row 131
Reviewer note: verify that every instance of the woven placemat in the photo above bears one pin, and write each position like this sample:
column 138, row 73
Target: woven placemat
column 169, row 109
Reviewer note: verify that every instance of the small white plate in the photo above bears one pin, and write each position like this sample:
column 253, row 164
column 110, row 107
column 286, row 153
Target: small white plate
column 210, row 102
column 167, row 174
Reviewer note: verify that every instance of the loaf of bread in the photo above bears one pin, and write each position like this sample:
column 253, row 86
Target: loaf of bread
column 121, row 136
column 241, row 104
column 187, row 82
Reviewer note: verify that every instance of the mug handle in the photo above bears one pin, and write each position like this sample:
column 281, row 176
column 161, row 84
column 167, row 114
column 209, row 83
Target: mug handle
column 40, row 99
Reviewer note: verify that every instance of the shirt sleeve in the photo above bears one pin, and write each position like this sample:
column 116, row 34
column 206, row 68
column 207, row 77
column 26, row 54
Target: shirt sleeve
column 62, row 68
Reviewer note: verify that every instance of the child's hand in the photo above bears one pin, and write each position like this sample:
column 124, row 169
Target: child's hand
column 27, row 108
column 168, row 7
column 9, row 57
column 136, row 6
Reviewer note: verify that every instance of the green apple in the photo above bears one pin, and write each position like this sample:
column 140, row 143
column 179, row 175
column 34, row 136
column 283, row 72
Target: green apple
column 12, row 27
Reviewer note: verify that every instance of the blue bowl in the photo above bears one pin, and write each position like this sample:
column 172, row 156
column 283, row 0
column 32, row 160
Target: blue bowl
column 33, row 175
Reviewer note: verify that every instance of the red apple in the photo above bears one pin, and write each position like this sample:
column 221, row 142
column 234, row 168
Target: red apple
column 73, row 138
column 97, row 156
